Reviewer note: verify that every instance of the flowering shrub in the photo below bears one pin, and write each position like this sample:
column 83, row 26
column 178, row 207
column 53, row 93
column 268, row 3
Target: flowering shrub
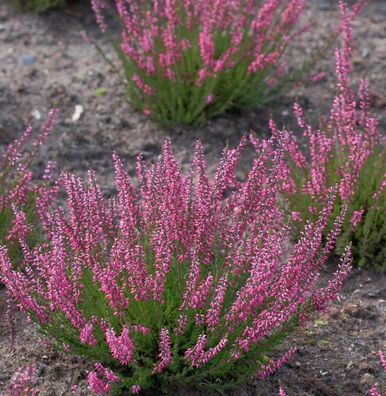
column 179, row 279
column 186, row 61
column 346, row 150
column 18, row 193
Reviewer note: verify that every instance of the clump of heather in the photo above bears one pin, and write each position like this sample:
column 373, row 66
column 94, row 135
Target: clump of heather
column 346, row 150
column 23, row 382
column 18, row 192
column 179, row 278
column 186, row 61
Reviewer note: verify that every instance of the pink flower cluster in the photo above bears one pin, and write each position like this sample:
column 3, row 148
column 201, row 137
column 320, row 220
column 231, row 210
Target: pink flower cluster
column 273, row 366
column 23, row 382
column 217, row 245
column 100, row 380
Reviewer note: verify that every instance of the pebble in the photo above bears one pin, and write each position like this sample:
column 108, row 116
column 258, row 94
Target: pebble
column 77, row 113
column 322, row 6
column 28, row 60
column 36, row 114
column 367, row 379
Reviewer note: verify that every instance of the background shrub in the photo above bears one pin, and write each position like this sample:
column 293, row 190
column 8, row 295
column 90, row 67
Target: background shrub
column 178, row 279
column 346, row 150
column 186, row 61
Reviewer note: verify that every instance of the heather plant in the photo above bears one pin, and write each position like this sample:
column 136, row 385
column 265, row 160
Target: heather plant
column 18, row 192
column 179, row 278
column 345, row 150
column 186, row 61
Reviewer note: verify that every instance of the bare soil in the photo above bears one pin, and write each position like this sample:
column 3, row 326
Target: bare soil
column 44, row 63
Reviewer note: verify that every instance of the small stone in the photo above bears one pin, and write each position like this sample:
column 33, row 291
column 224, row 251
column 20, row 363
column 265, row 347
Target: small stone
column 365, row 53
column 36, row 114
column 28, row 60
column 322, row 6
column 367, row 379
column 77, row 113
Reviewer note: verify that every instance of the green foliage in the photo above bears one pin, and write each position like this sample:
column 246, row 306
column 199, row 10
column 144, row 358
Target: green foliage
column 39, row 5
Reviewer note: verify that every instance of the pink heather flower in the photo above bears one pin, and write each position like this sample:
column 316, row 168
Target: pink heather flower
column 281, row 392
column 270, row 368
column 198, row 357
column 209, row 99
column 49, row 171
column 181, row 326
column 374, row 389
column 330, row 292
column 141, row 329
column 86, row 335
column 296, row 216
column 23, row 382
column 96, row 385
column 206, row 48
column 98, row 6
column 356, row 217
column 165, row 354
column 122, row 347
column 135, row 389
column 85, row 36
column 20, row 228
column 46, row 129
column 106, row 373
column 147, row 90
column 318, row 77
column 194, row 354
column 271, row 82
column 147, row 112
column 101, row 386
column 213, row 316
column 383, row 360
